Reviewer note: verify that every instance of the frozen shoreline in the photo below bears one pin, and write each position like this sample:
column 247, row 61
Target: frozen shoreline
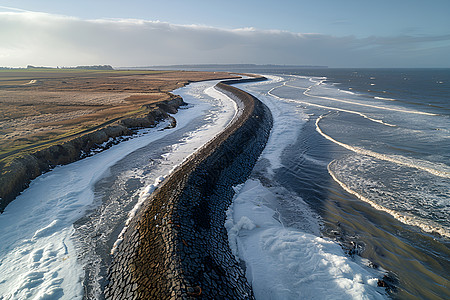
column 38, row 257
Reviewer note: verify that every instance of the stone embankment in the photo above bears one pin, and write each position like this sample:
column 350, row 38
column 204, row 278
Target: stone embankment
column 17, row 175
column 176, row 246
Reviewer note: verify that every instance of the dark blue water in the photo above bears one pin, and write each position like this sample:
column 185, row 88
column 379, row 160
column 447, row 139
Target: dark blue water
column 383, row 187
column 426, row 89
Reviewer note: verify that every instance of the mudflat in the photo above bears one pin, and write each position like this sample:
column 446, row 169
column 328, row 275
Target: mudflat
column 40, row 107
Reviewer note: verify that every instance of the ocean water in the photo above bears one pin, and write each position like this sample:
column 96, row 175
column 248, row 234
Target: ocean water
column 358, row 157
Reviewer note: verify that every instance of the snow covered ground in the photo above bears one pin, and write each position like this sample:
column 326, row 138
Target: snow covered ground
column 38, row 259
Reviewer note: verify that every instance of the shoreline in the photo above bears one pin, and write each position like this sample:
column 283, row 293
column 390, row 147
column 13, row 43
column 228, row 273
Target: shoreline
column 177, row 244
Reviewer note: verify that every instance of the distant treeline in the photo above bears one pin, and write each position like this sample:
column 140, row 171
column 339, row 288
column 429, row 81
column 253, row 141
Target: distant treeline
column 94, row 67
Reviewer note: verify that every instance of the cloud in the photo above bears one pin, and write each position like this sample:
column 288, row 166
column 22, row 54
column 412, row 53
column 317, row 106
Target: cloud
column 7, row 8
column 46, row 39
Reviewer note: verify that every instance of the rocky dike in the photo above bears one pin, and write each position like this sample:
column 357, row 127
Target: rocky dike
column 17, row 175
column 176, row 246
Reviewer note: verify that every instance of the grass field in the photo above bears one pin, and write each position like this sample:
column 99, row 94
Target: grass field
column 40, row 107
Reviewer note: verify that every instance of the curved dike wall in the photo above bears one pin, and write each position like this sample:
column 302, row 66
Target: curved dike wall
column 177, row 246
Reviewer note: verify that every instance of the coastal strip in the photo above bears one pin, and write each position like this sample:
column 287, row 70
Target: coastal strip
column 177, row 246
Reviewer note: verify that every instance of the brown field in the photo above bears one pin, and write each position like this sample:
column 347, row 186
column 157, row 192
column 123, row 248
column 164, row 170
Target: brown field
column 39, row 107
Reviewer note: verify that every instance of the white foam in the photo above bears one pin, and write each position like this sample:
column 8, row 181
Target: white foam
column 285, row 263
column 386, row 99
column 328, row 107
column 401, row 160
column 287, row 125
column 271, row 78
column 405, row 218
column 347, row 92
column 307, row 93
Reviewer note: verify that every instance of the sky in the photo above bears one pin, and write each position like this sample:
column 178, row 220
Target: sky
column 345, row 33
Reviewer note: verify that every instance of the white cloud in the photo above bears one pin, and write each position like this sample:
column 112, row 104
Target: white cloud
column 45, row 39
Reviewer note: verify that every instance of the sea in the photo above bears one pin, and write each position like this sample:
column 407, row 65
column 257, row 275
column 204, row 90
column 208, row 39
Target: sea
column 350, row 198
column 365, row 155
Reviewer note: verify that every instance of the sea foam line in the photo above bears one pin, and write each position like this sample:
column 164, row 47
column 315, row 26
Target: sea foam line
column 330, row 107
column 425, row 225
column 306, row 93
column 386, row 99
column 394, row 159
